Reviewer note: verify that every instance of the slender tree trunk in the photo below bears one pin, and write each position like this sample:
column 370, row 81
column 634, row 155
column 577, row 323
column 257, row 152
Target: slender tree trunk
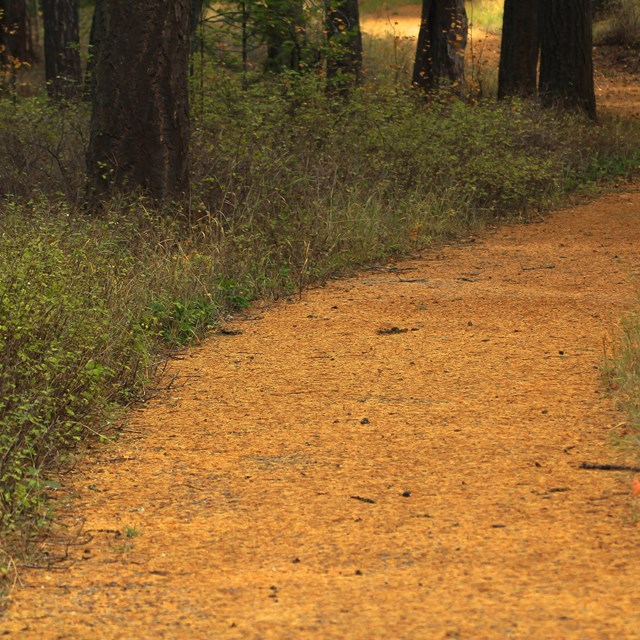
column 442, row 40
column 344, row 39
column 62, row 48
column 566, row 61
column 16, row 45
column 139, row 134
column 195, row 18
column 519, row 50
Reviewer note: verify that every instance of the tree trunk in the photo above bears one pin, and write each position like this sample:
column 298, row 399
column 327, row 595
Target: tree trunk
column 344, row 40
column 195, row 18
column 139, row 132
column 96, row 35
column 62, row 48
column 566, row 62
column 441, row 43
column 15, row 34
column 285, row 34
column 519, row 50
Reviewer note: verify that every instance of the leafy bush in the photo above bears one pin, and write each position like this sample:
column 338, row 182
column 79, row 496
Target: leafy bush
column 62, row 360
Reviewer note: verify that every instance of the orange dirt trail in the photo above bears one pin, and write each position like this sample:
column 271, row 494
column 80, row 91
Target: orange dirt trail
column 315, row 478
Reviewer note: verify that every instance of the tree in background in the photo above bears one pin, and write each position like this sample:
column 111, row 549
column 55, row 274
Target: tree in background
column 96, row 35
column 16, row 45
column 139, row 133
column 441, row 43
column 63, row 71
column 566, row 60
column 195, row 20
column 284, row 26
column 344, row 44
column 519, row 49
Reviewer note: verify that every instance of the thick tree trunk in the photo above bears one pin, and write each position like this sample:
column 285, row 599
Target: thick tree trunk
column 442, row 40
column 344, row 40
column 140, row 121
column 519, row 50
column 566, row 61
column 15, row 33
column 62, row 48
column 285, row 34
column 96, row 35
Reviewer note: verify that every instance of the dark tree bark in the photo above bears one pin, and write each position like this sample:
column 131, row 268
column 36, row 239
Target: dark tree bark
column 442, row 40
column 139, row 134
column 195, row 18
column 195, row 15
column 344, row 41
column 599, row 5
column 62, row 48
column 16, row 45
column 285, row 34
column 566, row 61
column 519, row 50
column 96, row 35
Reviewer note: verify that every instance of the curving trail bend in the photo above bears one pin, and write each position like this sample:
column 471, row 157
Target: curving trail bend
column 325, row 475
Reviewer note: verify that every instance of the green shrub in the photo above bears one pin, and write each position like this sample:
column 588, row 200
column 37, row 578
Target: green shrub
column 59, row 357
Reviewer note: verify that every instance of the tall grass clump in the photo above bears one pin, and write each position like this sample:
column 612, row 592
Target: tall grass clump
column 622, row 375
column 289, row 187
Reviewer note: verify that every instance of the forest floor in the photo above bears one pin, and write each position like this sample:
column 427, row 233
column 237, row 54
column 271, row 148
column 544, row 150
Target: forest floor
column 395, row 455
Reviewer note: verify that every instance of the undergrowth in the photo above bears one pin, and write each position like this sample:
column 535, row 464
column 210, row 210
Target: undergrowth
column 289, row 187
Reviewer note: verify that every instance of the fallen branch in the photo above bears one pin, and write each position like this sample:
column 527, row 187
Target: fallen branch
column 367, row 500
column 609, row 467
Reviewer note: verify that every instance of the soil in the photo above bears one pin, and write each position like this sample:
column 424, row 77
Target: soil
column 395, row 456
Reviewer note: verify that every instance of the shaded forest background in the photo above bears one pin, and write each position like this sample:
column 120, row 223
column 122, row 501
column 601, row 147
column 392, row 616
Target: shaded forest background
column 165, row 165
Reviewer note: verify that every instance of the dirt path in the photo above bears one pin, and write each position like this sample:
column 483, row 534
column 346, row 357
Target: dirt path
column 394, row 456
column 322, row 475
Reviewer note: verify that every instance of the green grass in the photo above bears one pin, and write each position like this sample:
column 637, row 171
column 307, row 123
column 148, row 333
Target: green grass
column 485, row 14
